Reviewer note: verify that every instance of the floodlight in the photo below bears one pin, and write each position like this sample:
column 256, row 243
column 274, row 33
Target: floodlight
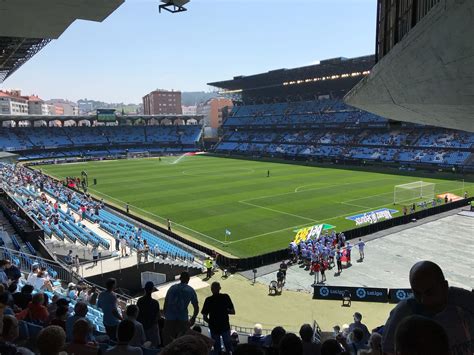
column 173, row 6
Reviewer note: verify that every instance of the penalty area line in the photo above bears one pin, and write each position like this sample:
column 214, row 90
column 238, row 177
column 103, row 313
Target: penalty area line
column 277, row 211
column 316, row 221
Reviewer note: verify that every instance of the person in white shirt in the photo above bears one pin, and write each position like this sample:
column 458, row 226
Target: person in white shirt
column 361, row 246
column 125, row 333
column 123, row 246
column 95, row 254
column 31, row 280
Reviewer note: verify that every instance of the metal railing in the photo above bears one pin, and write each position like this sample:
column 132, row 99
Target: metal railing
column 152, row 258
column 25, row 261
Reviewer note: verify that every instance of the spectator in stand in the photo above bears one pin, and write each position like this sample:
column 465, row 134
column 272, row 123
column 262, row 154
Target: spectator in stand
column 216, row 312
column 52, row 306
column 420, row 335
column 35, row 312
column 51, row 340
column 310, row 347
column 42, row 282
column 275, row 338
column 452, row 307
column 5, row 301
column 31, row 280
column 375, row 344
column 62, row 313
column 175, row 309
column 3, row 276
column 139, row 335
column 249, row 349
column 10, row 333
column 123, row 246
column 80, row 343
column 95, row 254
column 195, row 344
column 80, row 312
column 13, row 274
column 92, row 296
column 357, row 324
column 332, row 347
column 125, row 332
column 149, row 315
column 107, row 301
column 146, row 250
column 71, row 291
column 290, row 344
column 356, row 341
column 257, row 336
column 77, row 263
column 23, row 298
column 68, row 258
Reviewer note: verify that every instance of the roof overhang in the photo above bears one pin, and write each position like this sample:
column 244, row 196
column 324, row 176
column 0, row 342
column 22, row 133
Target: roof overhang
column 50, row 18
column 26, row 26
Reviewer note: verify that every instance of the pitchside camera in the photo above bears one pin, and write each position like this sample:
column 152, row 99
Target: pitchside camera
column 173, row 6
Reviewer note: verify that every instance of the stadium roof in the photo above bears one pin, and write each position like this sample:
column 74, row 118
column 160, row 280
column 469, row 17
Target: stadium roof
column 26, row 26
column 331, row 76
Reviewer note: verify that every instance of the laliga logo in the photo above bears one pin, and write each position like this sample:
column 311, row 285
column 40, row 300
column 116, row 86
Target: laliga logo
column 361, row 293
column 324, row 291
column 401, row 295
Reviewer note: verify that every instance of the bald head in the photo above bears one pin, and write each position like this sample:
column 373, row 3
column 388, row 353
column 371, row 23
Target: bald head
column 425, row 269
column 429, row 286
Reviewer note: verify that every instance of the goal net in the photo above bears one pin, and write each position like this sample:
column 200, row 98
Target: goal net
column 418, row 190
column 138, row 154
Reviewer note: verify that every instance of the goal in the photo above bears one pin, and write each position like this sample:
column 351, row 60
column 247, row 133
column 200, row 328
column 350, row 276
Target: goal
column 418, row 190
column 138, row 154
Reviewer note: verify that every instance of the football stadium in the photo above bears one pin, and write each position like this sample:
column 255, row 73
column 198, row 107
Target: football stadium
column 332, row 203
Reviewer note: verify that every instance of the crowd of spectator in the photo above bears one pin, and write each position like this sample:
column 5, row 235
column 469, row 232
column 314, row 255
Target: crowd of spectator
column 288, row 130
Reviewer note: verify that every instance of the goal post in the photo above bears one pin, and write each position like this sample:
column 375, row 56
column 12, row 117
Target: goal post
column 413, row 191
column 138, row 154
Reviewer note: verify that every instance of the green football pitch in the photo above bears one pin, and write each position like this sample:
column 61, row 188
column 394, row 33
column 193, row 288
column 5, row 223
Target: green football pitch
column 204, row 196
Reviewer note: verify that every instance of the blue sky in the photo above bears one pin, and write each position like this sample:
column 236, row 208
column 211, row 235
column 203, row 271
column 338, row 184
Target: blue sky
column 136, row 49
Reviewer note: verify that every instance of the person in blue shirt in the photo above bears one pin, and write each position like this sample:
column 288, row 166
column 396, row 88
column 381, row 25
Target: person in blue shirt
column 175, row 309
column 107, row 301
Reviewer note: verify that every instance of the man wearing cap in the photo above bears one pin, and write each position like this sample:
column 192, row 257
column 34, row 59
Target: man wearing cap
column 208, row 266
column 149, row 315
column 358, row 324
column 175, row 309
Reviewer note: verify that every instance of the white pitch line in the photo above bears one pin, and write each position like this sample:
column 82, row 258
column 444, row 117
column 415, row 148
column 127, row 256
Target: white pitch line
column 353, row 204
column 336, row 185
column 272, row 232
column 317, row 221
column 277, row 211
column 363, row 198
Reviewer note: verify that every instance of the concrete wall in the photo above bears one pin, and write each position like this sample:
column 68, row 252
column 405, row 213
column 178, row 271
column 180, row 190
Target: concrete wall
column 429, row 76
column 129, row 278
